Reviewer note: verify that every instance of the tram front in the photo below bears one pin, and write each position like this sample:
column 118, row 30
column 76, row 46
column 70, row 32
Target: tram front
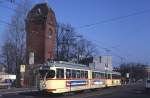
column 46, row 73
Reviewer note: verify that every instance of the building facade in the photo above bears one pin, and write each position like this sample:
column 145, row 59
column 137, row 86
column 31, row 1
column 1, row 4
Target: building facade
column 148, row 72
column 41, row 34
column 103, row 63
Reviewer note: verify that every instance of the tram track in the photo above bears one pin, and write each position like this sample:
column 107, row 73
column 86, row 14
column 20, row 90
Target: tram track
column 91, row 93
column 125, row 91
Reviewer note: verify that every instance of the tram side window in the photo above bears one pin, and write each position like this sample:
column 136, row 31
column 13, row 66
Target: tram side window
column 102, row 75
column 99, row 75
column 68, row 73
column 82, row 74
column 60, row 73
column 96, row 75
column 78, row 74
column 113, row 76
column 86, row 74
column 93, row 75
column 119, row 76
column 73, row 73
column 109, row 76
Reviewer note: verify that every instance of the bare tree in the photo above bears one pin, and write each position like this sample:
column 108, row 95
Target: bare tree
column 7, row 56
column 14, row 49
column 65, row 41
column 71, row 45
column 86, row 48
column 136, row 71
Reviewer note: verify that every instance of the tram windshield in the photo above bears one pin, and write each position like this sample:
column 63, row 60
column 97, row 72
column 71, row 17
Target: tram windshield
column 47, row 73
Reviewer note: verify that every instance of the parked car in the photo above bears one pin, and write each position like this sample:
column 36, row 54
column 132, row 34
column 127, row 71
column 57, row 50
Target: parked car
column 7, row 83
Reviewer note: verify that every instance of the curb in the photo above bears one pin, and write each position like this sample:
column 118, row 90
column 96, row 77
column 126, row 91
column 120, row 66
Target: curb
column 17, row 91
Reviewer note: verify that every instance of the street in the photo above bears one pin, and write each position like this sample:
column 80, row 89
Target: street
column 126, row 91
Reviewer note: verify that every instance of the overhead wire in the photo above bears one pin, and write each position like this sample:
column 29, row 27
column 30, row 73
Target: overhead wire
column 2, row 6
column 2, row 21
column 12, row 2
column 12, row 9
column 94, row 24
column 113, row 19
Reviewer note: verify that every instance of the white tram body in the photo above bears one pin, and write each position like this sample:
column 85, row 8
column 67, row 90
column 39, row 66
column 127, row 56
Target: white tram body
column 60, row 77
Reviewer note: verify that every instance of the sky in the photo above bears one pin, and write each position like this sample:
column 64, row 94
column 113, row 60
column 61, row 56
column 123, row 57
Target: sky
column 123, row 26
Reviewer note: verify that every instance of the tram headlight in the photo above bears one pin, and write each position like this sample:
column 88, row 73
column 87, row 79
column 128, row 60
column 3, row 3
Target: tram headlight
column 43, row 85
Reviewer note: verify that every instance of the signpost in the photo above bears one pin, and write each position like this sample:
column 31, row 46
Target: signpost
column 22, row 71
column 22, row 68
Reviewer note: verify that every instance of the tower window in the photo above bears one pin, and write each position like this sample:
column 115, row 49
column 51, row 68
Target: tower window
column 38, row 11
column 49, row 34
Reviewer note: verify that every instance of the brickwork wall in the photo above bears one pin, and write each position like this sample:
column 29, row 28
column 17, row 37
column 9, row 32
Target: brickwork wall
column 38, row 27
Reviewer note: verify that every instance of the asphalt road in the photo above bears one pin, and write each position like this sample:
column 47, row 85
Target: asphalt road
column 126, row 91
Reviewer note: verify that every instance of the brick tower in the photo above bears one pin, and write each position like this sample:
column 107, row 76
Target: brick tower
column 41, row 33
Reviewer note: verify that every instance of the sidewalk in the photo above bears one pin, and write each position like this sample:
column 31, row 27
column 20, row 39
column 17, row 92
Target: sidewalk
column 16, row 90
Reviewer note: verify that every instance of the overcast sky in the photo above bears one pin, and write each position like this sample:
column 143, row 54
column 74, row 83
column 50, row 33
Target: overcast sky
column 123, row 26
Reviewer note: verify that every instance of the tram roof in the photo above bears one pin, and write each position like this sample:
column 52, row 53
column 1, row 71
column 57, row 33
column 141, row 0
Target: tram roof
column 69, row 65
column 76, row 66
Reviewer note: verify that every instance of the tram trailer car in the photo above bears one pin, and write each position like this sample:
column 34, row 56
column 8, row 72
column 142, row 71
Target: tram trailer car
column 61, row 77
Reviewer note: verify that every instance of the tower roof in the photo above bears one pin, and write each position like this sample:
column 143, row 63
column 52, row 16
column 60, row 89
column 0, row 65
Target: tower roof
column 40, row 9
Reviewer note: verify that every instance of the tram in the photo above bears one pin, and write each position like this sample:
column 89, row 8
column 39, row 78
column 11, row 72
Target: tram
column 61, row 77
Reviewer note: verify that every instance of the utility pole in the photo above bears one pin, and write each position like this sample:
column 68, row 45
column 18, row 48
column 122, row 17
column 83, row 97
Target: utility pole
column 57, row 40
column 78, row 48
column 106, row 65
